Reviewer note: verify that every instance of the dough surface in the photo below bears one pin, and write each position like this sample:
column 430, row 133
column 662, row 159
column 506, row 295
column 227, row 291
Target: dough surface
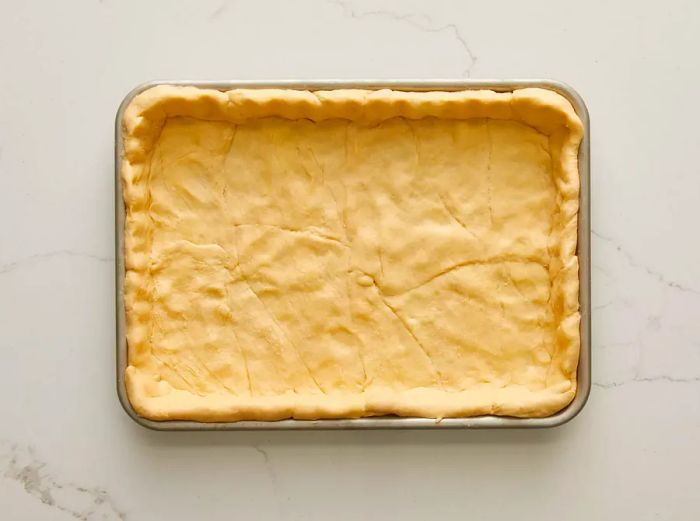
column 350, row 253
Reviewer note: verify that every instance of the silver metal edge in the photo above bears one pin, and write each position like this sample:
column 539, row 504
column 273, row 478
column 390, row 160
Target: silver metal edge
column 372, row 423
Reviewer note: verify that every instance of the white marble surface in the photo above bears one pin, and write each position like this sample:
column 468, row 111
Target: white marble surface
column 68, row 451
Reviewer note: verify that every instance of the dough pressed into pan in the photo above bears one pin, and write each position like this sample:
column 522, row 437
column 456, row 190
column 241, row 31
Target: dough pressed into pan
column 348, row 253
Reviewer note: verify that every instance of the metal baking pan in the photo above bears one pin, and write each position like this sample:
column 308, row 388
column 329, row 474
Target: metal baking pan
column 379, row 422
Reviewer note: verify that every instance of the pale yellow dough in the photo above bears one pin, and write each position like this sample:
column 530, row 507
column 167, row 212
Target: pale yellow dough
column 350, row 253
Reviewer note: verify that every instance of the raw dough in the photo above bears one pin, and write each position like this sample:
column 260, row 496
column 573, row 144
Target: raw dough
column 350, row 253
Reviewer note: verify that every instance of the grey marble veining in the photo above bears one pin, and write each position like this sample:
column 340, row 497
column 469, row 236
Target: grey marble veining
column 67, row 451
column 48, row 256
column 422, row 22
column 660, row 277
column 85, row 503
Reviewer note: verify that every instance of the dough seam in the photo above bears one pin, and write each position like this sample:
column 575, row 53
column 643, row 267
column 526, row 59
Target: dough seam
column 145, row 118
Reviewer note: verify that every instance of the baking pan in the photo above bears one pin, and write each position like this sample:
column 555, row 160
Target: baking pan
column 378, row 422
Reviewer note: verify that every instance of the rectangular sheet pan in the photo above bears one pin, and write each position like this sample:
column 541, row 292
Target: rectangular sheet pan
column 383, row 422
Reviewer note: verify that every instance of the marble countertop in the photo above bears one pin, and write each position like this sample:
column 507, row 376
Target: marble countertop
column 68, row 451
